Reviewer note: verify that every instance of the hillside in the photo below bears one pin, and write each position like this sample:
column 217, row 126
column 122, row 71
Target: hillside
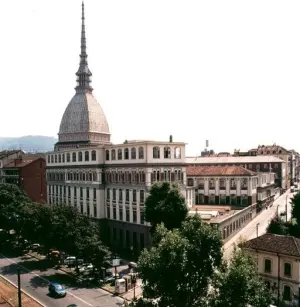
column 29, row 143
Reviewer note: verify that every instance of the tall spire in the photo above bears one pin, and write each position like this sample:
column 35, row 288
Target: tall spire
column 83, row 74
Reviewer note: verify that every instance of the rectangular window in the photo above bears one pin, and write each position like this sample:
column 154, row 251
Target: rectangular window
column 108, row 212
column 211, row 183
column 287, row 269
column 108, row 194
column 134, row 196
column 87, row 193
column 127, row 238
column 120, row 213
column 120, row 195
column 75, row 192
column 81, row 208
column 134, row 216
column 222, row 184
column 114, row 194
column 142, row 196
column 142, row 218
column 142, row 241
column 95, row 194
column 127, row 215
column 127, row 196
column 88, row 212
column 95, row 210
column 268, row 266
column 232, row 184
column 81, row 192
column 114, row 212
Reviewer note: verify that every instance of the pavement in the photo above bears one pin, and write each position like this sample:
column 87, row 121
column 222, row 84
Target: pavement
column 35, row 280
column 260, row 223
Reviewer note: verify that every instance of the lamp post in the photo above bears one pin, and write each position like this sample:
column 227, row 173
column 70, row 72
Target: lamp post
column 19, row 287
column 257, row 230
column 134, row 283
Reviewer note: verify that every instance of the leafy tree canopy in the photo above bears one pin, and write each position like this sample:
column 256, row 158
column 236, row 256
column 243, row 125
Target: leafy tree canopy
column 277, row 226
column 177, row 271
column 240, row 285
column 165, row 204
column 295, row 202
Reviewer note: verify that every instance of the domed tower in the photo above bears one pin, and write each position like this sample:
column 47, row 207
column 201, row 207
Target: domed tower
column 84, row 123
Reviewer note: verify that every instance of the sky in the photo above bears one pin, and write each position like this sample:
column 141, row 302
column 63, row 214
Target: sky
column 223, row 71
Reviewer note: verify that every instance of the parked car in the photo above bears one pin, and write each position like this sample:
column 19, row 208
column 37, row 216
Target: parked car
column 71, row 260
column 87, row 267
column 132, row 265
column 57, row 290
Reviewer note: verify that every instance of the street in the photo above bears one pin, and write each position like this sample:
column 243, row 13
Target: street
column 35, row 280
column 260, row 223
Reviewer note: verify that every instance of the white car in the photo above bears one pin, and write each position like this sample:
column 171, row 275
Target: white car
column 87, row 267
column 71, row 260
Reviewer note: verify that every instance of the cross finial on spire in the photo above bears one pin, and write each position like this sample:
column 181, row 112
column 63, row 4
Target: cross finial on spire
column 83, row 74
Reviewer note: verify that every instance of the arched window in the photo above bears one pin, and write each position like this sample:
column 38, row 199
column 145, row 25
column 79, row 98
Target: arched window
column 59, row 158
column 177, row 153
column 126, row 153
column 63, row 158
column 80, row 156
column 86, row 156
column 141, row 153
column 55, row 158
column 120, row 154
column 133, row 153
column 68, row 157
column 107, row 155
column 156, row 152
column 113, row 154
column 94, row 155
column 94, row 176
column 167, row 153
column 74, row 156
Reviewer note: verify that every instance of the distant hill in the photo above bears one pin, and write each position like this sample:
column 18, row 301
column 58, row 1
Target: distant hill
column 29, row 143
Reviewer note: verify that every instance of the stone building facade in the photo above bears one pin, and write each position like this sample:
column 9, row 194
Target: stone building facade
column 108, row 182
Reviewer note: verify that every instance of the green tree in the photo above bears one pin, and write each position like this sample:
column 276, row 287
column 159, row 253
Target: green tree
column 295, row 202
column 177, row 270
column 11, row 200
column 239, row 284
column 165, row 204
column 277, row 226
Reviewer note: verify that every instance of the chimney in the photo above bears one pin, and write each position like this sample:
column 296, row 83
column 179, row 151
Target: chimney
column 171, row 138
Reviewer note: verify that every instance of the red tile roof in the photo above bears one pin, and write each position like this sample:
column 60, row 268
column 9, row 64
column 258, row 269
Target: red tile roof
column 215, row 170
column 18, row 163
column 286, row 245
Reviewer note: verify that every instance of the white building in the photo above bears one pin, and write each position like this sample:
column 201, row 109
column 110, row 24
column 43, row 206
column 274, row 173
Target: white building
column 106, row 181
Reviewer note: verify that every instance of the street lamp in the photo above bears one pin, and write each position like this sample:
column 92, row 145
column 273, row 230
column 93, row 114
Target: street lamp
column 257, row 229
column 133, row 279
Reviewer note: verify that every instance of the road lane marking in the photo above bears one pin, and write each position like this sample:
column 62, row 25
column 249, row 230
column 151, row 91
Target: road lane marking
column 37, row 275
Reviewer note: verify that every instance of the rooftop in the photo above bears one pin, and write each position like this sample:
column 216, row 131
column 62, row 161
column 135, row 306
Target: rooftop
column 6, row 153
column 19, row 163
column 216, row 170
column 286, row 245
column 226, row 160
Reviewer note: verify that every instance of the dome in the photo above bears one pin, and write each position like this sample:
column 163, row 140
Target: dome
column 84, row 120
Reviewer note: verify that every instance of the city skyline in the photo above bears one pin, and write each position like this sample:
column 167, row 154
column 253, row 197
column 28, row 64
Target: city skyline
column 154, row 74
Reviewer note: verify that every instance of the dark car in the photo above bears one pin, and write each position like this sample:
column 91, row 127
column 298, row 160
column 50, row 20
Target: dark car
column 57, row 290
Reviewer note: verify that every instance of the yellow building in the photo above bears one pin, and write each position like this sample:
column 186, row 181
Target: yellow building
column 278, row 262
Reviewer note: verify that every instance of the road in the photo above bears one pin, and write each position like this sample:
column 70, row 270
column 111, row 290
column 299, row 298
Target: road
column 259, row 223
column 35, row 280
